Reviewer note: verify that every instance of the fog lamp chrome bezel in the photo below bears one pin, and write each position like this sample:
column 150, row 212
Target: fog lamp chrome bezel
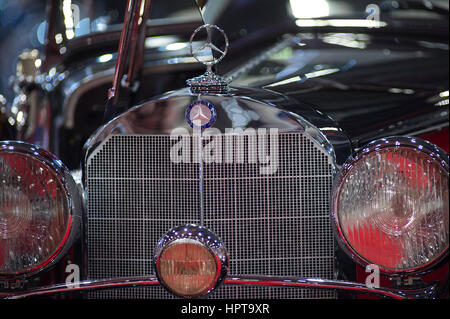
column 73, row 198
column 196, row 235
column 430, row 150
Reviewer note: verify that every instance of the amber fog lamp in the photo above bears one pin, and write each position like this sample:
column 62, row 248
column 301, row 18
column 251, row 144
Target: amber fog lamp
column 190, row 261
column 40, row 209
column 391, row 205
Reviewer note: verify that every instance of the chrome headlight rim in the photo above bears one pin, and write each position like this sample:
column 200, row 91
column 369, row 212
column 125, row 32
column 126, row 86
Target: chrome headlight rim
column 414, row 143
column 202, row 236
column 73, row 199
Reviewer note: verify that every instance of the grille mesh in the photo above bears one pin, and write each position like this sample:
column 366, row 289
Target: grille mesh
column 271, row 224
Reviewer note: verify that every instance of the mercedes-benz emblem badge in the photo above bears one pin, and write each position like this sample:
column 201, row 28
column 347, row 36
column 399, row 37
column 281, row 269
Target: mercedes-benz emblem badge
column 208, row 44
column 200, row 114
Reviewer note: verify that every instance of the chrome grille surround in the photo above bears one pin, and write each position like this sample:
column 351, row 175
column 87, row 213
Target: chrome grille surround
column 271, row 225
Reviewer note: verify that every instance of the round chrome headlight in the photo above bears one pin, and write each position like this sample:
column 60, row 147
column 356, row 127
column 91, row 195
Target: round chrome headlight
column 190, row 261
column 40, row 209
column 391, row 204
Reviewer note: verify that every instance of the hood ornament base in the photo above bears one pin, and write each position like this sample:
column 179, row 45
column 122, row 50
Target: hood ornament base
column 209, row 83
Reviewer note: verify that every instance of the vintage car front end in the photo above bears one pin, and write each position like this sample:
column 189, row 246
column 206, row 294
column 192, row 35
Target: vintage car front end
column 265, row 183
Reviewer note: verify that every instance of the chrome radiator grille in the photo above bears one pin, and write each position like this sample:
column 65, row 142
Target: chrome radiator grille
column 271, row 224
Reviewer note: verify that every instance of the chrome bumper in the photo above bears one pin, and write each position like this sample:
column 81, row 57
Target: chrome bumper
column 304, row 283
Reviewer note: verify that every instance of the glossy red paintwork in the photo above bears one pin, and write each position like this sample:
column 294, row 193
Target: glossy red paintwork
column 439, row 138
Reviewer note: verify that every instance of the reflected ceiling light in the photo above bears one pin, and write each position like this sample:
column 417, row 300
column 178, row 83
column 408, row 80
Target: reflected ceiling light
column 41, row 32
column 176, row 46
column 100, row 24
column 159, row 41
column 304, row 9
column 58, row 38
column 105, row 58
column 347, row 40
column 354, row 23
column 401, row 91
column 443, row 102
column 68, row 19
column 310, row 75
column 284, row 82
column 38, row 63
column 320, row 73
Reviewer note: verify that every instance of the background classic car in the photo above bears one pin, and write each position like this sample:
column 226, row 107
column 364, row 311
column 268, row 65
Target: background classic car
column 352, row 86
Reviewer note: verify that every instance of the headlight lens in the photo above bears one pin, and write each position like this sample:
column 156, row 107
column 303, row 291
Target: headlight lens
column 35, row 209
column 190, row 261
column 188, row 268
column 391, row 204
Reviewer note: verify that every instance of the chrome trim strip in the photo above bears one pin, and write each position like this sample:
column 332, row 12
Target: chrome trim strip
column 288, row 282
column 85, row 286
column 317, row 283
column 201, row 175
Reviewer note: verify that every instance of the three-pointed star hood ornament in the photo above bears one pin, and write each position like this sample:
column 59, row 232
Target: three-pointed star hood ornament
column 209, row 82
